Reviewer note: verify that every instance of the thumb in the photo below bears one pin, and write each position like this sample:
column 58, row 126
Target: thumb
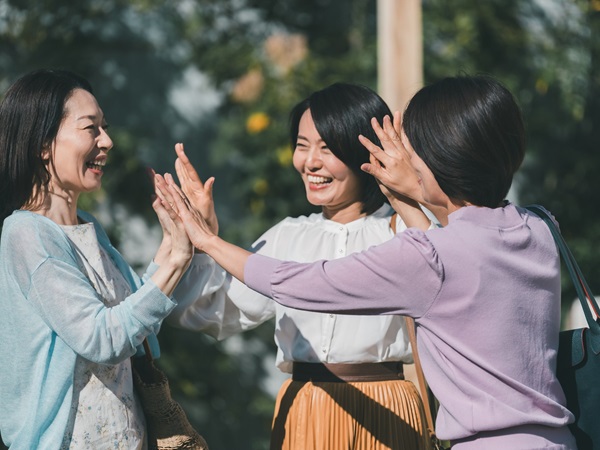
column 208, row 185
column 371, row 169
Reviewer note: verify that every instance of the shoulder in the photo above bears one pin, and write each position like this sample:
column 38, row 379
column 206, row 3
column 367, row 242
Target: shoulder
column 33, row 237
column 26, row 225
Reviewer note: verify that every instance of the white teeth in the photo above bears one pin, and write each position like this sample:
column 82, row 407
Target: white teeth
column 318, row 180
column 96, row 164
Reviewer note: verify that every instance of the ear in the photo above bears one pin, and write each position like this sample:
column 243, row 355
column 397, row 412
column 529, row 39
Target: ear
column 46, row 153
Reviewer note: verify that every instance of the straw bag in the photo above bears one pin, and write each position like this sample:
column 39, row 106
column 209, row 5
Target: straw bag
column 168, row 426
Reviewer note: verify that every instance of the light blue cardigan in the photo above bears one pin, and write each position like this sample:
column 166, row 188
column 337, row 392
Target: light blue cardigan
column 49, row 314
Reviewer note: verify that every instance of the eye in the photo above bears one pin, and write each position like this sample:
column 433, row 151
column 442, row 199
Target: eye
column 301, row 146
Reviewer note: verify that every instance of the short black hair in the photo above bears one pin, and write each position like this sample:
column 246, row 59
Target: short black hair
column 341, row 112
column 469, row 131
column 30, row 116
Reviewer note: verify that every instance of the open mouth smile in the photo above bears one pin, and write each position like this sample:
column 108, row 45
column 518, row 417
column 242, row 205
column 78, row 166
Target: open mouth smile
column 96, row 164
column 318, row 180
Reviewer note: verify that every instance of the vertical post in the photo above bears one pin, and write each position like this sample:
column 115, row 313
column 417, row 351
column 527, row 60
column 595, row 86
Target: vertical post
column 400, row 68
column 399, row 50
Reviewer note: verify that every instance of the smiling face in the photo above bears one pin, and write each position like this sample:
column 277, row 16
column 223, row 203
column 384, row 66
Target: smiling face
column 80, row 148
column 329, row 182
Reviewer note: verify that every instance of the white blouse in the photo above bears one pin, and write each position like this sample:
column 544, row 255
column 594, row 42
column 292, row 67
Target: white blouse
column 105, row 412
column 210, row 300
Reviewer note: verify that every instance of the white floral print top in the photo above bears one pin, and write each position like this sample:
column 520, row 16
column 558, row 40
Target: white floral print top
column 105, row 413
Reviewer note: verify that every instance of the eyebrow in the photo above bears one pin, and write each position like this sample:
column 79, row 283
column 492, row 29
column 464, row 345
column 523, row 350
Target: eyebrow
column 89, row 116
column 308, row 140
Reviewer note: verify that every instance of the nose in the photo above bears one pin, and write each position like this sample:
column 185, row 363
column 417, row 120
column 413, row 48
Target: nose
column 104, row 140
column 313, row 159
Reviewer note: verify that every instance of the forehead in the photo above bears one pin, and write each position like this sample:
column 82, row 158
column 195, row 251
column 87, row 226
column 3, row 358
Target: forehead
column 81, row 104
column 307, row 127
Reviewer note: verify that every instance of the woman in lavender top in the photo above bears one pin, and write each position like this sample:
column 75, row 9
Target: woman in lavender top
column 484, row 290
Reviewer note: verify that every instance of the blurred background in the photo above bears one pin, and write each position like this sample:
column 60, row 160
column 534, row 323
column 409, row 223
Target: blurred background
column 221, row 77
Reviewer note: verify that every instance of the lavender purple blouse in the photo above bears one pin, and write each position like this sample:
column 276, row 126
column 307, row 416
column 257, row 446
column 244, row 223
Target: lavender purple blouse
column 485, row 294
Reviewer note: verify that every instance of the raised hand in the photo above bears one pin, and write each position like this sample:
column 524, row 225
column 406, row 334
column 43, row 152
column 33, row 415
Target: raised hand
column 176, row 244
column 391, row 165
column 175, row 201
column 199, row 194
column 394, row 172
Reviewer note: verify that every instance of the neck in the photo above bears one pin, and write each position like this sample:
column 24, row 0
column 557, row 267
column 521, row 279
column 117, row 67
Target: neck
column 344, row 215
column 60, row 207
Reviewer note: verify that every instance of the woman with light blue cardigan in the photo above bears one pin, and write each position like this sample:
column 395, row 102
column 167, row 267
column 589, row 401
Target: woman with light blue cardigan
column 484, row 289
column 72, row 311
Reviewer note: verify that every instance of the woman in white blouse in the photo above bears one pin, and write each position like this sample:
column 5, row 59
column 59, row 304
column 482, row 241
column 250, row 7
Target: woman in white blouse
column 347, row 388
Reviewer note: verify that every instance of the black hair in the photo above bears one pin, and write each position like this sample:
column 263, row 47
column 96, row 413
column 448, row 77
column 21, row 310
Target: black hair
column 341, row 112
column 30, row 116
column 469, row 131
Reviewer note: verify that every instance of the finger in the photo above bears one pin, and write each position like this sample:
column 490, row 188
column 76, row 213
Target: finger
column 389, row 129
column 398, row 122
column 165, row 193
column 375, row 150
column 171, row 183
column 208, row 186
column 187, row 166
column 372, row 169
column 179, row 204
column 160, row 186
column 164, row 217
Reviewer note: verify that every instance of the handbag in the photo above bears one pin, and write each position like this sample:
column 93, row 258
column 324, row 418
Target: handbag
column 168, row 426
column 578, row 359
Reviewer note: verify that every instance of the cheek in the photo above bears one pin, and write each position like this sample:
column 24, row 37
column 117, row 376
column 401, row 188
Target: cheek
column 298, row 160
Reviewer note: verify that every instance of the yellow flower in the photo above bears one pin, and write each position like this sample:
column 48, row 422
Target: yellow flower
column 261, row 186
column 285, row 155
column 257, row 122
column 541, row 86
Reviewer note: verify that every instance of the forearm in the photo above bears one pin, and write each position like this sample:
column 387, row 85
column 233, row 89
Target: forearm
column 230, row 257
column 411, row 213
column 168, row 275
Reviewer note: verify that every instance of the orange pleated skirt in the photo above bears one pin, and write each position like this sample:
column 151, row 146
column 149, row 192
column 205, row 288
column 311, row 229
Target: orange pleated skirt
column 374, row 415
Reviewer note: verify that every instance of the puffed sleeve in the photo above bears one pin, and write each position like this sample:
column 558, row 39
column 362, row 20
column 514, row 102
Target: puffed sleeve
column 211, row 301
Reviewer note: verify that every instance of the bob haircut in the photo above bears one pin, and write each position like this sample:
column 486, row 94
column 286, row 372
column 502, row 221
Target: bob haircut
column 341, row 112
column 469, row 131
column 30, row 116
